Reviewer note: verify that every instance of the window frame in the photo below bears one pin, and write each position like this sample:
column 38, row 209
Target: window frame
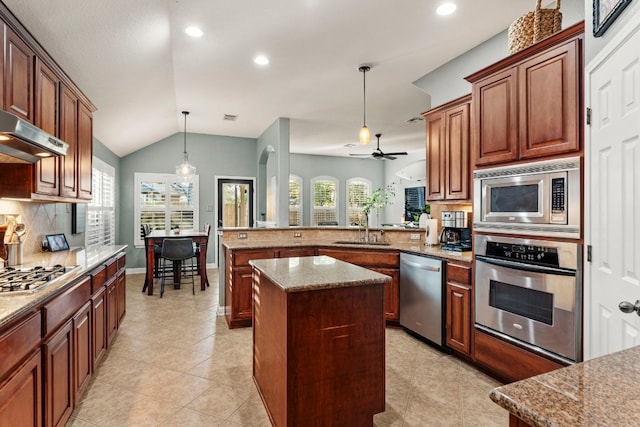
column 312, row 207
column 299, row 208
column 348, row 208
column 98, row 195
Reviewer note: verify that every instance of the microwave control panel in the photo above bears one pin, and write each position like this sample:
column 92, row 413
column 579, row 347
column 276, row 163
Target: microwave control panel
column 558, row 201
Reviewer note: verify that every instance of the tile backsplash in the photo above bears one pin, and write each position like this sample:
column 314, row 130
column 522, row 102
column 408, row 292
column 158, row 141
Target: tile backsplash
column 40, row 219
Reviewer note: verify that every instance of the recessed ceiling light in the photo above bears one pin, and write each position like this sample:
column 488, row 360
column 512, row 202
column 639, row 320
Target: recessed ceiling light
column 446, row 9
column 261, row 60
column 193, row 31
column 349, row 145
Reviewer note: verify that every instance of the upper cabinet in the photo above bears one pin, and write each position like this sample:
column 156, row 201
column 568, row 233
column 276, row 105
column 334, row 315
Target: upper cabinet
column 448, row 162
column 36, row 89
column 528, row 105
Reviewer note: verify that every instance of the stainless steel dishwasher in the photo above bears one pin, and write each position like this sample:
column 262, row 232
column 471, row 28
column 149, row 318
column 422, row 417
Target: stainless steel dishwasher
column 421, row 297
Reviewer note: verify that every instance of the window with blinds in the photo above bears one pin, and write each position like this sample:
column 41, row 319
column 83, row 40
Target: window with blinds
column 324, row 210
column 165, row 202
column 295, row 201
column 358, row 190
column 101, row 214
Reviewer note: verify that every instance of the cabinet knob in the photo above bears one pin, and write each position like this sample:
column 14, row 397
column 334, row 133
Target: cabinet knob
column 627, row 307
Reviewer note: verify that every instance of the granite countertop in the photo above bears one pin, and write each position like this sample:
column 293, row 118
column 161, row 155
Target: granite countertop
column 13, row 305
column 417, row 247
column 601, row 391
column 315, row 272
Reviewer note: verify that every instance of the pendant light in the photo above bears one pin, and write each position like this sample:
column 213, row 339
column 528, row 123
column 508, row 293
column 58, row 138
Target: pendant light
column 365, row 135
column 185, row 169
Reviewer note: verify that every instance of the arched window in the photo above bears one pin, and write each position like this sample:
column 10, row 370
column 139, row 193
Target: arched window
column 358, row 190
column 295, row 201
column 324, row 204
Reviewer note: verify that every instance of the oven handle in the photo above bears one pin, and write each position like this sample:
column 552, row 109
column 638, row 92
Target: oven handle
column 526, row 267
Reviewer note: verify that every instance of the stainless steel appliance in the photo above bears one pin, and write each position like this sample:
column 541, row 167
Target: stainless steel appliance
column 456, row 234
column 530, row 291
column 17, row 281
column 22, row 142
column 421, row 297
column 540, row 198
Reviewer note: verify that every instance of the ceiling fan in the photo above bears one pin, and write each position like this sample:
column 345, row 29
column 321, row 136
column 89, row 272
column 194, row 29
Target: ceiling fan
column 378, row 154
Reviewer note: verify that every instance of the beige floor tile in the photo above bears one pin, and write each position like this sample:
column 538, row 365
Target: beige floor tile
column 176, row 363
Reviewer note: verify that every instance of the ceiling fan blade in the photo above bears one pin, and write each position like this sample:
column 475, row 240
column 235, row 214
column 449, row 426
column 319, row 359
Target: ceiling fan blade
column 360, row 155
column 388, row 156
column 399, row 153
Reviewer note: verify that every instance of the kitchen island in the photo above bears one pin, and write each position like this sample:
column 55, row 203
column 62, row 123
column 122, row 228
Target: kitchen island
column 598, row 392
column 318, row 341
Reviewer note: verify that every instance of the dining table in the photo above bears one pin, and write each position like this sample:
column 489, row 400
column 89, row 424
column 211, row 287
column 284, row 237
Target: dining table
column 156, row 237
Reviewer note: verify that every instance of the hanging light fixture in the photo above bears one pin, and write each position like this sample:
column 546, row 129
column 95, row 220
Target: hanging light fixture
column 365, row 135
column 185, row 169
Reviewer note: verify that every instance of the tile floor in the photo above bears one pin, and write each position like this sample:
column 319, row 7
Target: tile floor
column 175, row 363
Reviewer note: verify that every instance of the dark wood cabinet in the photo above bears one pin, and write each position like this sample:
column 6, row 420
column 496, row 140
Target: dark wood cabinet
column 99, row 326
column 58, row 367
column 21, row 395
column 295, row 252
column 85, row 152
column 19, row 66
column 448, row 147
column 391, row 294
column 69, row 134
column 47, row 170
column 111, row 297
column 459, row 316
column 82, row 350
column 121, row 296
column 528, row 105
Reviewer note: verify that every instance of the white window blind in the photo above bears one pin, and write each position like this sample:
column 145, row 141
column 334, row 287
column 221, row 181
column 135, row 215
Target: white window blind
column 358, row 190
column 101, row 214
column 324, row 209
column 295, row 200
column 164, row 202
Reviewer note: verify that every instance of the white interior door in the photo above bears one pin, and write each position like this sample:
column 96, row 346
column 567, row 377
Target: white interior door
column 613, row 194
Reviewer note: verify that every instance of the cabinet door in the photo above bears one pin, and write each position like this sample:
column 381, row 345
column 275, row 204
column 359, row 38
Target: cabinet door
column 435, row 157
column 121, row 295
column 85, row 151
column 18, row 77
column 58, row 366
column 549, row 104
column 47, row 176
column 496, row 118
column 459, row 317
column 295, row 252
column 82, row 350
column 112, row 311
column 456, row 176
column 99, row 315
column 21, row 395
column 391, row 294
column 242, row 294
column 69, row 134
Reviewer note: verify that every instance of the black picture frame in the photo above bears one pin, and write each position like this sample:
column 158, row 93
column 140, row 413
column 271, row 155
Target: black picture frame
column 605, row 12
column 78, row 218
column 57, row 242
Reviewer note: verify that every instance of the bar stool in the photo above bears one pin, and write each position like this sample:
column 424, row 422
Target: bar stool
column 177, row 251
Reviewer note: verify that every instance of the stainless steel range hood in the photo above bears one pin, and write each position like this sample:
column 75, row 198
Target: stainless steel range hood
column 22, row 142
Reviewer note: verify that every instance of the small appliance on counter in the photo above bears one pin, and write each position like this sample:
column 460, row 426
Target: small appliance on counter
column 456, row 231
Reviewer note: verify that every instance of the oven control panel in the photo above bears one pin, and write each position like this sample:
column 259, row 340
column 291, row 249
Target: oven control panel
column 542, row 255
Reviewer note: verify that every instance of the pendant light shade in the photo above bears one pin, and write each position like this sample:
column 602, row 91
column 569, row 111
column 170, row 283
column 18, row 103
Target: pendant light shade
column 185, row 169
column 365, row 135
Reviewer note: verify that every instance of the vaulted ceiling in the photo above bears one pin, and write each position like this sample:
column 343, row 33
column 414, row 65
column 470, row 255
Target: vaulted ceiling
column 133, row 59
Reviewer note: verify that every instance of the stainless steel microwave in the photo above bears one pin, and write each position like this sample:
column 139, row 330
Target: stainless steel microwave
column 539, row 198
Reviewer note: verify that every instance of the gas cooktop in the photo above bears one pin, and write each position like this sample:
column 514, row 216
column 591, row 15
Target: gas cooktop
column 28, row 280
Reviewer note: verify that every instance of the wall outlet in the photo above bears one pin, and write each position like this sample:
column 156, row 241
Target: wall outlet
column 242, row 235
column 414, row 236
column 297, row 234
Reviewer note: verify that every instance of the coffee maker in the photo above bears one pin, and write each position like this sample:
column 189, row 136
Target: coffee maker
column 456, row 231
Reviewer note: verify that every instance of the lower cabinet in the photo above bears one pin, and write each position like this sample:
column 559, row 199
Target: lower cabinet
column 121, row 296
column 83, row 363
column 459, row 316
column 99, row 329
column 21, row 395
column 112, row 309
column 58, row 377
column 391, row 294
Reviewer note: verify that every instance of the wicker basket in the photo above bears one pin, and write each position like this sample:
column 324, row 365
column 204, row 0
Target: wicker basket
column 534, row 26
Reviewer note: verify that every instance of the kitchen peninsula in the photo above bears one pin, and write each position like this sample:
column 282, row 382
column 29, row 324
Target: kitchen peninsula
column 318, row 341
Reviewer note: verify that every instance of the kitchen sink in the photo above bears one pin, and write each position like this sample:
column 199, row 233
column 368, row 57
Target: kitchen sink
column 356, row 242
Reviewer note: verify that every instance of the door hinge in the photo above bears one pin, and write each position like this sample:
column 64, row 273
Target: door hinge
column 588, row 115
column 588, row 253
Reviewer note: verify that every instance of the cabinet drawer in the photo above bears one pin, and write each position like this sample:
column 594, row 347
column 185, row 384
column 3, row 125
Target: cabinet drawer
column 121, row 261
column 459, row 273
column 363, row 257
column 98, row 278
column 112, row 268
column 63, row 306
column 243, row 257
column 16, row 343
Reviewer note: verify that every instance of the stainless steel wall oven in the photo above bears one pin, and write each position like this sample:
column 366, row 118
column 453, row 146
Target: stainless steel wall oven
column 530, row 291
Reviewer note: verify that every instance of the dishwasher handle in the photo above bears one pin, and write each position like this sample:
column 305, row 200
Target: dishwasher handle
column 421, row 266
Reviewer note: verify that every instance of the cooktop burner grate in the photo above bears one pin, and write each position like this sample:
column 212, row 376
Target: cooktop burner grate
column 29, row 279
